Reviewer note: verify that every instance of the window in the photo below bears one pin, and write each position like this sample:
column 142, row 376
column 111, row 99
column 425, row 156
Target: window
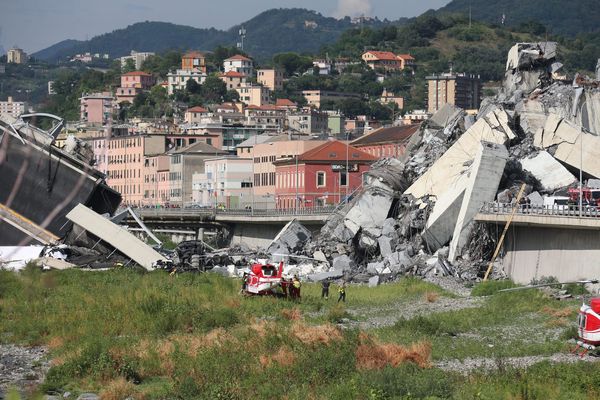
column 320, row 179
column 343, row 178
column 246, row 184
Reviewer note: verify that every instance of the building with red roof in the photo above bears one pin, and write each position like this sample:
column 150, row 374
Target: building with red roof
column 194, row 60
column 324, row 175
column 233, row 79
column 387, row 60
column 133, row 83
column 239, row 63
column 389, row 141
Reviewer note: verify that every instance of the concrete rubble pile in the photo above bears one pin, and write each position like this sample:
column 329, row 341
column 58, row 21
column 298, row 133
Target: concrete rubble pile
column 415, row 215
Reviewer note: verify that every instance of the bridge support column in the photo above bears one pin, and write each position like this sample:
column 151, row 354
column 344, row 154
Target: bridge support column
column 201, row 234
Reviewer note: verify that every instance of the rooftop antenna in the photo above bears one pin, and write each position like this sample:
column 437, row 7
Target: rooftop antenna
column 470, row 15
column 242, row 34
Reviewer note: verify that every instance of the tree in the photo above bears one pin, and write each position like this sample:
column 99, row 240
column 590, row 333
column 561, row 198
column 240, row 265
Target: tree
column 292, row 63
column 192, row 87
column 214, row 89
column 129, row 66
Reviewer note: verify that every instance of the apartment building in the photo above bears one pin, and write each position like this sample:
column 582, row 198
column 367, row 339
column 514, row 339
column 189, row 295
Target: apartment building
column 308, row 122
column 226, row 180
column 16, row 56
column 133, row 83
column 138, row 58
column 461, row 90
column 97, row 108
column 254, row 94
column 239, row 63
column 314, row 98
column 14, row 108
column 233, row 80
column 271, row 78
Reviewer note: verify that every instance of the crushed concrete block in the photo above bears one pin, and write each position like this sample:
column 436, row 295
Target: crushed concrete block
column 343, row 263
column 54, row 263
column 370, row 211
column 374, row 281
column 389, row 227
column 535, row 199
column 343, row 234
column 399, row 261
column 375, row 268
column 325, row 275
column 551, row 174
column 320, row 256
column 445, row 115
column 570, row 140
column 484, row 179
column 386, row 245
column 386, row 271
column 442, row 220
column 526, row 55
column 593, row 183
column 290, row 239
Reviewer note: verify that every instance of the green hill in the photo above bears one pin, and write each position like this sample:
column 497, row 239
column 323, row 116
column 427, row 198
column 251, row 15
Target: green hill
column 273, row 31
column 558, row 16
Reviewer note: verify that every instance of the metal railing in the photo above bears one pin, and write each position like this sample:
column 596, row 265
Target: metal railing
column 533, row 209
column 183, row 212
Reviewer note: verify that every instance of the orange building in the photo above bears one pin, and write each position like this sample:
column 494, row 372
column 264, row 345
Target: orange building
column 194, row 60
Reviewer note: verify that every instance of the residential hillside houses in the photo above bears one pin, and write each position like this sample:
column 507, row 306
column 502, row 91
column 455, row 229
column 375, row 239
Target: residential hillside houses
column 16, row 56
column 137, row 57
column 387, row 141
column 387, row 61
column 133, row 83
column 233, row 80
column 459, row 89
column 239, row 63
column 271, row 78
column 14, row 108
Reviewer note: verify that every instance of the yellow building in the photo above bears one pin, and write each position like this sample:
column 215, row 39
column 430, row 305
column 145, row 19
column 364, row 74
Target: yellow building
column 16, row 55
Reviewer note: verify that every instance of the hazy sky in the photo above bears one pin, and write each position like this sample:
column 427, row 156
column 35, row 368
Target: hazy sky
column 36, row 24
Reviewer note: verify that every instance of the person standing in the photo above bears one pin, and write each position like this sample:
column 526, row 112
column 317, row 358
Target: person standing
column 325, row 289
column 296, row 283
column 342, row 291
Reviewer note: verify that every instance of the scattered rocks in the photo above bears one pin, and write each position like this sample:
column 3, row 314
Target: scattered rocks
column 22, row 367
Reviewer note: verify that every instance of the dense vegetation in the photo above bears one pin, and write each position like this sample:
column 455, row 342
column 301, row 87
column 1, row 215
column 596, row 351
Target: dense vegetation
column 557, row 16
column 151, row 336
column 292, row 35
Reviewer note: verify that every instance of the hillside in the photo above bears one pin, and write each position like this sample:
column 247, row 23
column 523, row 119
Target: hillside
column 297, row 30
column 559, row 16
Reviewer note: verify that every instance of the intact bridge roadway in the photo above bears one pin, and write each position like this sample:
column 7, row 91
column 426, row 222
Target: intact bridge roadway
column 543, row 241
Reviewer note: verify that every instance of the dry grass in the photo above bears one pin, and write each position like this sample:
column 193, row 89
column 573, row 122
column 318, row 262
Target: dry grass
column 320, row 334
column 119, row 389
column 163, row 350
column 233, row 302
column 262, row 328
column 377, row 356
column 431, row 297
column 557, row 323
column 293, row 314
column 55, row 342
column 561, row 313
column 283, row 357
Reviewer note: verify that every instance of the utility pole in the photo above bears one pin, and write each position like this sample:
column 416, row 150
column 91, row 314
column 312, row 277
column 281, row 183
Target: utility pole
column 347, row 172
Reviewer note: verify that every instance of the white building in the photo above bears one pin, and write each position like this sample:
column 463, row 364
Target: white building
column 239, row 63
column 179, row 79
column 16, row 55
column 226, row 180
column 14, row 108
column 137, row 57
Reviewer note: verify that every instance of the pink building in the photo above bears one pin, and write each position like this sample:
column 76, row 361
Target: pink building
column 133, row 83
column 97, row 108
column 156, row 180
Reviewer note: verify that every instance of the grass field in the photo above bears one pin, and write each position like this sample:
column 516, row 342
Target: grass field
column 153, row 336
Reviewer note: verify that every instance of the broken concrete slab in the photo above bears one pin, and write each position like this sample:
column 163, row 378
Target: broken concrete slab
column 571, row 140
column 551, row 174
column 320, row 256
column 370, row 211
column 343, row 263
column 399, row 261
column 449, row 168
column 54, row 263
column 527, row 55
column 116, row 236
column 292, row 237
column 484, row 179
column 386, row 245
column 375, row 268
column 445, row 115
column 389, row 227
column 442, row 220
column 535, row 199
column 374, row 281
column 325, row 275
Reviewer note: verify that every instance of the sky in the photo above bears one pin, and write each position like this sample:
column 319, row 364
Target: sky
column 36, row 24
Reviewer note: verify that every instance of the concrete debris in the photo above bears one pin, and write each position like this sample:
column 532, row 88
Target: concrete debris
column 551, row 174
column 482, row 186
column 289, row 240
column 415, row 215
column 16, row 257
column 116, row 236
column 374, row 281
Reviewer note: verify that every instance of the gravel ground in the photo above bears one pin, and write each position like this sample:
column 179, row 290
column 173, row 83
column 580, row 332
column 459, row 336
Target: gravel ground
column 22, row 367
column 469, row 365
